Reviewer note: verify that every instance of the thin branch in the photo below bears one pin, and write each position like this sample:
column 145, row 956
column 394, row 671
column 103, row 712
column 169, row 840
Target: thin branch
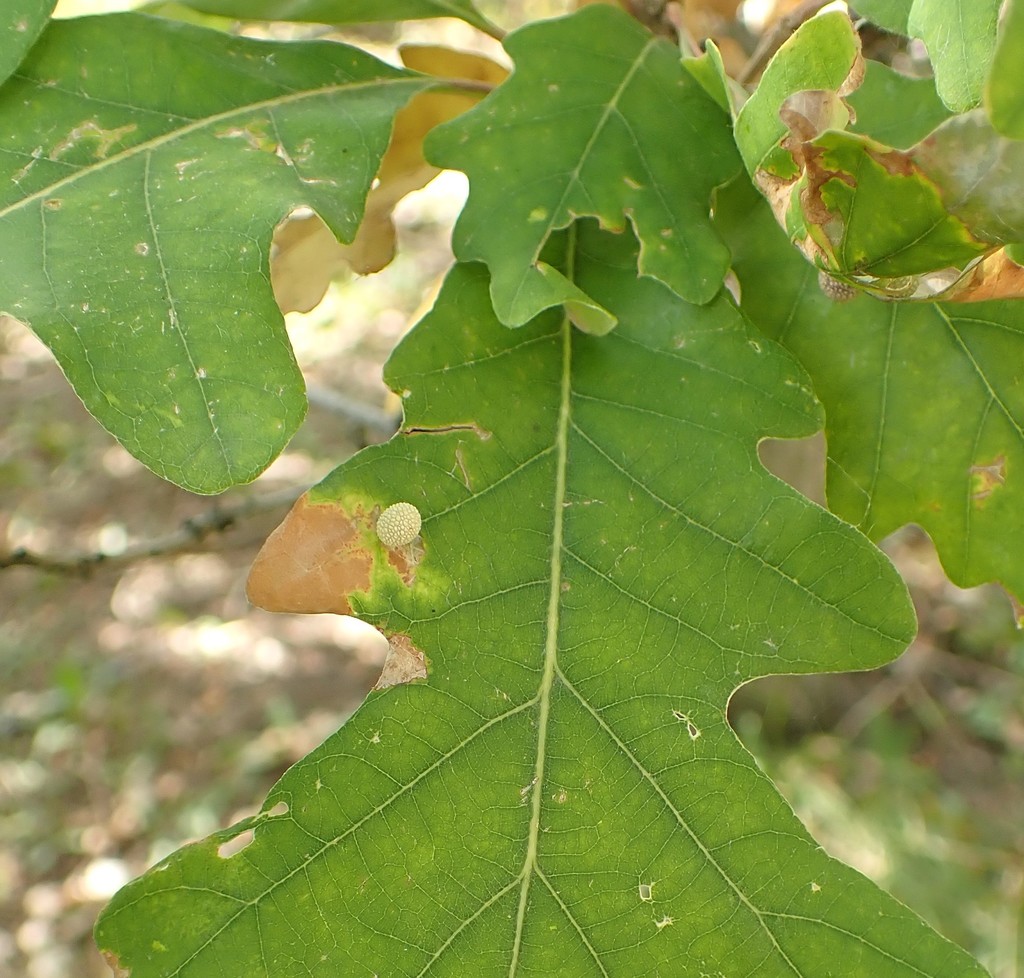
column 773, row 39
column 186, row 538
column 328, row 399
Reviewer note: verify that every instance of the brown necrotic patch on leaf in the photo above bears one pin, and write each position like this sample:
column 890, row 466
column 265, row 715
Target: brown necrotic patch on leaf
column 313, row 561
column 405, row 560
column 404, row 663
column 816, row 211
column 896, row 162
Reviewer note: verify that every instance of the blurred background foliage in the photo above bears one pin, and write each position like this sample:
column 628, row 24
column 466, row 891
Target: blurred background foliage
column 143, row 703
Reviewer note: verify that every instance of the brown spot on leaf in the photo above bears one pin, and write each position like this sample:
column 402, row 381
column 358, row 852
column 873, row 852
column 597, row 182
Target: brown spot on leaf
column 896, row 162
column 986, row 478
column 404, row 663
column 313, row 561
column 405, row 560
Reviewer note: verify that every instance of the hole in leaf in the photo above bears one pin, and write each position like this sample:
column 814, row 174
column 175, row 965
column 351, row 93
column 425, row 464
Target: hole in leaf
column 234, row 846
column 281, row 808
column 691, row 728
column 799, row 462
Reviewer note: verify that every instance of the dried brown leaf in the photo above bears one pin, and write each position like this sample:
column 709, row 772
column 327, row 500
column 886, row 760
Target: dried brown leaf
column 304, row 259
column 404, row 168
column 996, row 276
column 307, row 256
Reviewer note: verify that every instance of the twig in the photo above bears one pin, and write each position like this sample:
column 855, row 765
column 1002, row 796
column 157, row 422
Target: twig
column 772, row 40
column 328, row 399
column 185, row 538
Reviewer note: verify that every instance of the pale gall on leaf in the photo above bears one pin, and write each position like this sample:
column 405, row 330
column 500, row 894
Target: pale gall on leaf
column 399, row 525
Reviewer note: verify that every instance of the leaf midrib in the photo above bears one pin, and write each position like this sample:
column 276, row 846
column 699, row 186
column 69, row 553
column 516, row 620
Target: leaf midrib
column 557, row 212
column 530, row 868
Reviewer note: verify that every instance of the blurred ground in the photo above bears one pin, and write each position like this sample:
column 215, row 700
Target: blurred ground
column 143, row 703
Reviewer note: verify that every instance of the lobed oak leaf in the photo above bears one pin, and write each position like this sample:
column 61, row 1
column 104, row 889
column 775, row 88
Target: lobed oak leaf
column 923, row 401
column 600, row 119
column 179, row 187
column 604, row 562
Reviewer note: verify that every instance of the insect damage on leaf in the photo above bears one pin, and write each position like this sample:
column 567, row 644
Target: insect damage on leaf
column 404, row 663
column 986, row 478
column 322, row 553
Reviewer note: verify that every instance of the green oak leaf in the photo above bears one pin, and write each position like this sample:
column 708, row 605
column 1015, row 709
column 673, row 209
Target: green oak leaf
column 599, row 119
column 894, row 222
column 924, row 402
column 345, row 11
column 603, row 560
column 961, row 39
column 894, row 109
column 1005, row 84
column 136, row 217
column 709, row 69
column 21, row 22
column 889, row 14
column 979, row 173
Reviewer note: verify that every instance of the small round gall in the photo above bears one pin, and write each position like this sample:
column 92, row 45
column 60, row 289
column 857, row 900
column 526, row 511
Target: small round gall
column 398, row 525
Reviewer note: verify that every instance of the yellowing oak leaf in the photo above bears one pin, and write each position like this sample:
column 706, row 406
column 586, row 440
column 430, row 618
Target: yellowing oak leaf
column 307, row 256
column 404, row 168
